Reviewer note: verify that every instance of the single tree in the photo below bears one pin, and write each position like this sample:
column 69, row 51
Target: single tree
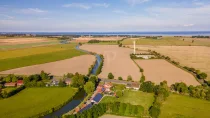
column 142, row 79
column 89, row 87
column 110, row 76
column 129, row 78
column 120, row 78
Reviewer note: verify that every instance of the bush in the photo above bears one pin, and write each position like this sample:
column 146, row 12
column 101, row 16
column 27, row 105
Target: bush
column 154, row 111
column 110, row 76
column 120, row 78
column 129, row 78
column 141, row 70
column 147, row 87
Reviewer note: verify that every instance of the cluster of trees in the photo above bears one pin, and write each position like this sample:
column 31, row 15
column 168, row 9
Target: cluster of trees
column 98, row 41
column 11, row 78
column 36, row 80
column 198, row 73
column 99, row 70
column 202, row 92
column 200, row 36
column 116, row 108
column 90, row 86
column 6, row 94
column 161, row 93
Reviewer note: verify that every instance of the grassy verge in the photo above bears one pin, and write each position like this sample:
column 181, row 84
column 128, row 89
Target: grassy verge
column 179, row 106
column 33, row 101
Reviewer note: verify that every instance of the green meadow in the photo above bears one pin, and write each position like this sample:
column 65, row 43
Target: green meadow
column 178, row 106
column 11, row 59
column 133, row 97
column 33, row 101
column 167, row 41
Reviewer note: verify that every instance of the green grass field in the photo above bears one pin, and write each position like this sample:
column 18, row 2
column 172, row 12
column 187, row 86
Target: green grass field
column 167, row 41
column 178, row 106
column 133, row 97
column 28, row 45
column 39, row 55
column 33, row 101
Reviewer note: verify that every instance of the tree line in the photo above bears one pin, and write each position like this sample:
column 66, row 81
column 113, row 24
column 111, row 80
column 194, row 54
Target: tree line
column 116, row 108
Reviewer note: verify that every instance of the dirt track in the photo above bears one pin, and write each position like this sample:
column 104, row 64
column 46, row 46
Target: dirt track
column 59, row 68
column 158, row 70
column 117, row 60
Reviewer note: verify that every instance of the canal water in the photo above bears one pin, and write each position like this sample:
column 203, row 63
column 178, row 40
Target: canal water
column 79, row 97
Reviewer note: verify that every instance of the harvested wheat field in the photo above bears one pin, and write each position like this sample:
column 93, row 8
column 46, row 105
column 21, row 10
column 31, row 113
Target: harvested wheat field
column 158, row 70
column 116, row 60
column 78, row 64
column 12, row 41
column 197, row 57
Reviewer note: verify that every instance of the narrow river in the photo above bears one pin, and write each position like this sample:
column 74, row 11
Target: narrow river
column 79, row 97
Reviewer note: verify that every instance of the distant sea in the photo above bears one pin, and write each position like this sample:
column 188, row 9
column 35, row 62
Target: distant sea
column 171, row 33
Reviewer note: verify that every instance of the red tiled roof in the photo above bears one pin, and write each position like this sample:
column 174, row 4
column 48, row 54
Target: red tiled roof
column 10, row 84
column 20, row 82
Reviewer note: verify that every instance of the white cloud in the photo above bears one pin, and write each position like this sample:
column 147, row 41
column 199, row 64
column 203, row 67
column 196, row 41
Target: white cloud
column 86, row 6
column 120, row 12
column 135, row 2
column 6, row 16
column 188, row 25
column 105, row 5
column 32, row 10
column 78, row 5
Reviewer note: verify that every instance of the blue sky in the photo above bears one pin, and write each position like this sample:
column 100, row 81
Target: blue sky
column 104, row 15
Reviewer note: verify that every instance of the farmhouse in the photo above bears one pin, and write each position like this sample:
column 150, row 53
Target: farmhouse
column 134, row 86
column 68, row 81
column 20, row 83
column 145, row 56
column 108, row 86
column 11, row 84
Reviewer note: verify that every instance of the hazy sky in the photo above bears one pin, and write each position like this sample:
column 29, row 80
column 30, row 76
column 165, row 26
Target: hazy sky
column 104, row 15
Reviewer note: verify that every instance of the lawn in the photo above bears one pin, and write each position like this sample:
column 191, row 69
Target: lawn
column 33, row 101
column 167, row 41
column 32, row 56
column 133, row 97
column 177, row 106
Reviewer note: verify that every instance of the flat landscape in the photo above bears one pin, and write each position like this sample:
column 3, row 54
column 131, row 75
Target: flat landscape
column 86, row 39
column 33, row 101
column 116, row 60
column 78, row 64
column 158, row 70
column 168, row 41
column 133, row 97
column 179, row 106
column 32, row 56
column 197, row 57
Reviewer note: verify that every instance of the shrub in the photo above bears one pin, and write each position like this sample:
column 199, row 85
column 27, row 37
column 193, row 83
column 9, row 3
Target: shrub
column 120, row 78
column 129, row 78
column 110, row 76
column 154, row 111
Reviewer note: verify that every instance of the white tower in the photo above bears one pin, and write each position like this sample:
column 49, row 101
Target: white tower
column 134, row 47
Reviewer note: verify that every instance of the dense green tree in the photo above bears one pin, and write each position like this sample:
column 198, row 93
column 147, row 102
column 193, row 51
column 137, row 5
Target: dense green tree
column 147, row 86
column 8, row 79
column 120, row 78
column 202, row 76
column 89, row 87
column 110, row 76
column 40, row 84
column 44, row 76
column 129, row 78
column 93, row 79
column 78, row 80
column 208, row 95
column 69, row 75
column 142, row 79
column 14, row 79
column 154, row 112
